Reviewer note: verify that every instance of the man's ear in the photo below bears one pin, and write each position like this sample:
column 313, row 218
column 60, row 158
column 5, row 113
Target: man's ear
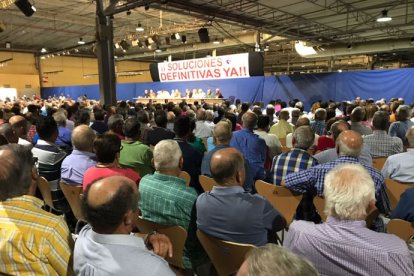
column 152, row 163
column 128, row 218
column 337, row 149
column 181, row 163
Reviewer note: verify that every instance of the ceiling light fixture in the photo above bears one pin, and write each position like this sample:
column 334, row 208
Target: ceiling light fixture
column 139, row 28
column 43, row 50
column 384, row 17
column 25, row 7
column 216, row 41
column 158, row 50
column 303, row 50
column 80, row 41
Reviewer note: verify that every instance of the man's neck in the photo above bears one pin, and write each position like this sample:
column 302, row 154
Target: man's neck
column 171, row 172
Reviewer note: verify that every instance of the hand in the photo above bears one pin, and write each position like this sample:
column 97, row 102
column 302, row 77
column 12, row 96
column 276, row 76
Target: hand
column 161, row 244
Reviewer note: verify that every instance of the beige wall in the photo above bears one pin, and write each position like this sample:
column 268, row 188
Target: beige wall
column 66, row 71
column 22, row 73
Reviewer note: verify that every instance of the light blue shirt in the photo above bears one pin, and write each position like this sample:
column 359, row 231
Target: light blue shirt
column 75, row 165
column 100, row 255
column 331, row 155
column 399, row 167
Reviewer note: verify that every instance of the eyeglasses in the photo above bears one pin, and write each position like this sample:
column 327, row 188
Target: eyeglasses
column 121, row 147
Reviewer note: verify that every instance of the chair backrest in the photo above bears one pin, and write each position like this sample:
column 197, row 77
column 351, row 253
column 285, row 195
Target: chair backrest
column 378, row 162
column 394, row 191
column 319, row 203
column 72, row 194
column 176, row 234
column 281, row 199
column 44, row 188
column 282, row 142
column 285, row 149
column 401, row 228
column 184, row 175
column 226, row 257
column 206, row 182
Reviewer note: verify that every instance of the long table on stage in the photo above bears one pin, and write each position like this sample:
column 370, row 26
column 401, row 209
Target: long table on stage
column 179, row 100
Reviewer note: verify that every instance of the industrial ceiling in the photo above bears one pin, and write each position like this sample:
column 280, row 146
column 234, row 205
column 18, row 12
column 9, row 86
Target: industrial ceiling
column 345, row 31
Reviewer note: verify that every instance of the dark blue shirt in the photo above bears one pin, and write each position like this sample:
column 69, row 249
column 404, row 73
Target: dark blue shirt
column 405, row 207
column 100, row 127
column 205, row 167
column 253, row 149
column 64, row 138
column 231, row 214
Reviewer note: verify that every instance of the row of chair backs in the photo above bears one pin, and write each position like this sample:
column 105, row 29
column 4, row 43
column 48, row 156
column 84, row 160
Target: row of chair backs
column 186, row 176
column 226, row 257
column 177, row 235
column 44, row 189
column 394, row 191
column 281, row 199
column 401, row 228
column 72, row 195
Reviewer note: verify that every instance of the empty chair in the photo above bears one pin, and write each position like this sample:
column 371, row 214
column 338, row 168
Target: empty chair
column 206, row 182
column 281, row 199
column 401, row 228
column 175, row 233
column 225, row 256
column 395, row 190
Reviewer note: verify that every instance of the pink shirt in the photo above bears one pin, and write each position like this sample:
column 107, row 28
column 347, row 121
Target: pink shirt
column 95, row 173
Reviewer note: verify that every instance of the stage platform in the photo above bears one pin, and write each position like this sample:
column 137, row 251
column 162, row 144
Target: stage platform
column 179, row 100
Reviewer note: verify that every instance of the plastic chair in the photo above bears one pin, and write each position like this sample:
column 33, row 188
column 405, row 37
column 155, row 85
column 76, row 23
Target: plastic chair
column 184, row 175
column 378, row 162
column 226, row 256
column 401, row 228
column 206, row 182
column 72, row 194
column 281, row 199
column 176, row 234
column 394, row 191
column 44, row 189
column 282, row 142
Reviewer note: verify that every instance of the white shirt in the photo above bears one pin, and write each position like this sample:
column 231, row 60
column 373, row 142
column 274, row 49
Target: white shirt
column 203, row 129
column 272, row 142
column 399, row 167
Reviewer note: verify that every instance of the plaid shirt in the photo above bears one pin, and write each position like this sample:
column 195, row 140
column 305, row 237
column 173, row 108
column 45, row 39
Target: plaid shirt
column 167, row 200
column 314, row 177
column 382, row 145
column 293, row 161
column 33, row 241
column 399, row 129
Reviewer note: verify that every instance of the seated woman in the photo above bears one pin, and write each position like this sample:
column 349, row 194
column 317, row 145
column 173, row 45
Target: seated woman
column 107, row 148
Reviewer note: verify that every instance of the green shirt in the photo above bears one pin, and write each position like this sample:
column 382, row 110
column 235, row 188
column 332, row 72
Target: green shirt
column 167, row 200
column 137, row 156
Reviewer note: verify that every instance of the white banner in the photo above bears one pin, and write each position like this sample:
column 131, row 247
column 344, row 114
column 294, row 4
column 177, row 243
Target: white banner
column 222, row 67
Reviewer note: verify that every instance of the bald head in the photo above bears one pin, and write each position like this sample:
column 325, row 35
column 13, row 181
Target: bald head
column 338, row 127
column 302, row 121
column 227, row 167
column 222, row 133
column 350, row 143
column 7, row 131
column 108, row 201
column 19, row 125
column 83, row 137
column 249, row 120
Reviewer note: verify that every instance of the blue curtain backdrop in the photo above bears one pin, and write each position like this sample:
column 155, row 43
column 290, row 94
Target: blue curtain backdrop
column 306, row 87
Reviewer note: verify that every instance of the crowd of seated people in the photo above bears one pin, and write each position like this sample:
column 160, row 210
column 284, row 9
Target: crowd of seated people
column 129, row 160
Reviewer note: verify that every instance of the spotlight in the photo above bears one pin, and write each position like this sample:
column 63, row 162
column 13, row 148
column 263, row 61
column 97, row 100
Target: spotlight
column 128, row 13
column 203, row 35
column 384, row 17
column 216, row 41
column 139, row 28
column 158, row 50
column 43, row 50
column 8, row 45
column 134, row 42
column 81, row 42
column 167, row 40
column 25, row 7
column 175, row 36
column 117, row 46
column 184, row 39
column 412, row 41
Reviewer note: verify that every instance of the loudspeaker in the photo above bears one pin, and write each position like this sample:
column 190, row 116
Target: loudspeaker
column 203, row 35
column 25, row 7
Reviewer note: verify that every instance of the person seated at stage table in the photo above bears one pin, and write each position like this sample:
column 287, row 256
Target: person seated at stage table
column 209, row 94
column 231, row 214
column 152, row 94
column 343, row 245
column 146, row 94
column 188, row 93
column 177, row 94
column 218, row 94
